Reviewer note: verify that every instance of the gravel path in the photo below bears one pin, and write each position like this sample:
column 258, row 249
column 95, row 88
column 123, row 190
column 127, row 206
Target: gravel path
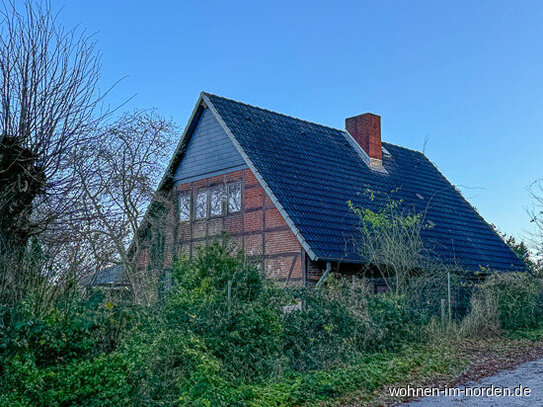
column 529, row 375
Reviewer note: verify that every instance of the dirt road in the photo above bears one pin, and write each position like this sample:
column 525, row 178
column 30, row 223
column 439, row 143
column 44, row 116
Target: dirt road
column 529, row 375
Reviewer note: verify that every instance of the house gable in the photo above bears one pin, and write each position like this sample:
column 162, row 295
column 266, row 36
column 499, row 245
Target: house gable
column 206, row 159
column 257, row 227
column 209, row 152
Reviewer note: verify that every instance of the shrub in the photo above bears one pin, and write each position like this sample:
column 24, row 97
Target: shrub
column 394, row 321
column 69, row 330
column 169, row 366
column 100, row 381
column 224, row 299
column 506, row 301
column 48, row 340
column 340, row 320
column 390, row 240
column 483, row 319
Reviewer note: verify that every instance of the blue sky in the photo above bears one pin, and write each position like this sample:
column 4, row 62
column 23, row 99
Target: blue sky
column 465, row 76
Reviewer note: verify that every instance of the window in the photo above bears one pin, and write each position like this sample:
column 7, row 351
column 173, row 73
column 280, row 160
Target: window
column 184, row 207
column 200, row 207
column 234, row 198
column 215, row 202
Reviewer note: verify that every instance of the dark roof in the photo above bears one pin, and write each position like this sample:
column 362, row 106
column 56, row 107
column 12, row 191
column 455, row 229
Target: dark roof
column 313, row 171
column 109, row 276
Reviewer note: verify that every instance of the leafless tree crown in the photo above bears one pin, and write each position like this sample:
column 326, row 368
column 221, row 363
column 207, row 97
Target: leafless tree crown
column 48, row 96
column 49, row 100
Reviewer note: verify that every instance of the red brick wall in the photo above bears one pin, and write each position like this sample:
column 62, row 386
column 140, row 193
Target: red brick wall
column 258, row 228
column 366, row 130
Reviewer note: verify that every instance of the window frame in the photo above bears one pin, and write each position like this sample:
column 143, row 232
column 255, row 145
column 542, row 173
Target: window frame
column 181, row 196
column 219, row 188
column 202, row 192
column 234, row 185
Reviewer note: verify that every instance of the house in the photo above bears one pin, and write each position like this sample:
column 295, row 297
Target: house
column 111, row 277
column 279, row 186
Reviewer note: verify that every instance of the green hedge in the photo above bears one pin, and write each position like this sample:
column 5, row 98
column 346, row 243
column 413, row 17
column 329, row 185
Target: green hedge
column 221, row 337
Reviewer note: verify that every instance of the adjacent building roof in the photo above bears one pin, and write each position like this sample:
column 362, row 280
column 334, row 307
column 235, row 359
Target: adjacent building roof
column 107, row 277
column 310, row 171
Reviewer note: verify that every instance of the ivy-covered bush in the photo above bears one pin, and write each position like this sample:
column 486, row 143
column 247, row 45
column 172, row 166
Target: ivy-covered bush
column 223, row 298
column 98, row 381
column 340, row 320
column 80, row 328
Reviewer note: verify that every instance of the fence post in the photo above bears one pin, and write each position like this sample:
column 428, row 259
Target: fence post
column 443, row 311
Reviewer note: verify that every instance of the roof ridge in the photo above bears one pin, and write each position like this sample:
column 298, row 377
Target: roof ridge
column 405, row 148
column 274, row 112
column 303, row 120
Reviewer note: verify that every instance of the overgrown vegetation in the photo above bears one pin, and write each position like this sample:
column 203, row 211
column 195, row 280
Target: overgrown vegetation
column 506, row 302
column 225, row 335
column 221, row 337
column 390, row 241
column 73, row 192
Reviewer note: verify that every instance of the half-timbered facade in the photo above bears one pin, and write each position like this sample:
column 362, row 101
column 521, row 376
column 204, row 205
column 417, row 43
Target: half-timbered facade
column 279, row 187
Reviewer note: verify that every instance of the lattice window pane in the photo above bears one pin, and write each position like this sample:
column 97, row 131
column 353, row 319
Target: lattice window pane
column 215, row 204
column 234, row 198
column 184, row 207
column 200, row 209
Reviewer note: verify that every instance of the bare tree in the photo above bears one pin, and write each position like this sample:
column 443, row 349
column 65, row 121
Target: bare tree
column 49, row 99
column 391, row 245
column 390, row 241
column 536, row 217
column 119, row 176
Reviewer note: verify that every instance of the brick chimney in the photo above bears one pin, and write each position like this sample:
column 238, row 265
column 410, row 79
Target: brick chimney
column 366, row 130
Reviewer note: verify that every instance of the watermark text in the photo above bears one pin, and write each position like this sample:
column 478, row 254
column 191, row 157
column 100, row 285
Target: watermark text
column 476, row 391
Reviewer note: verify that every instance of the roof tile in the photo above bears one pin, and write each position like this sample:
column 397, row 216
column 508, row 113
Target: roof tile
column 313, row 171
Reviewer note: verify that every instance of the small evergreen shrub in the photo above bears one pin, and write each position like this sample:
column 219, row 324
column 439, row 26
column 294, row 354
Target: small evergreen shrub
column 99, row 381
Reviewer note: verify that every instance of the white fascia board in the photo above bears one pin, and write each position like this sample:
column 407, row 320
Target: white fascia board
column 261, row 180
